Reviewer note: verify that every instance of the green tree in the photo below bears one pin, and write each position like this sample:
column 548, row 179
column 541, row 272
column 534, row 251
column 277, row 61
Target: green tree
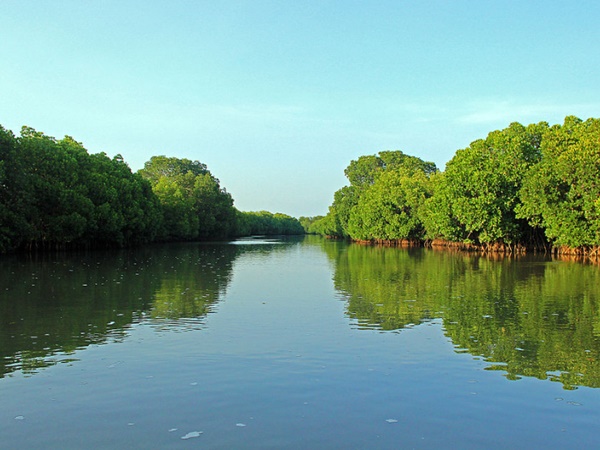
column 194, row 204
column 327, row 226
column 169, row 167
column 388, row 210
column 308, row 224
column 13, row 194
column 55, row 194
column 476, row 198
column 436, row 213
column 364, row 171
column 214, row 206
column 344, row 201
column 267, row 223
column 561, row 193
column 363, row 174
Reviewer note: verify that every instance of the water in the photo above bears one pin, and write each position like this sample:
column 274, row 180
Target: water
column 298, row 343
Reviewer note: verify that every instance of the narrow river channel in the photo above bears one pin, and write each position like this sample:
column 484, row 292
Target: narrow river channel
column 297, row 343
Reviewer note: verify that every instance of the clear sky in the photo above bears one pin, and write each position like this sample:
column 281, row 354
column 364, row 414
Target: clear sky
column 277, row 97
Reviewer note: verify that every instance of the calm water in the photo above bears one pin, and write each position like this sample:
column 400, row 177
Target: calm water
column 297, row 344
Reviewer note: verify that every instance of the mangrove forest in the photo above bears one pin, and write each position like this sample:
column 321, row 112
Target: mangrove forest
column 56, row 195
column 523, row 187
column 533, row 187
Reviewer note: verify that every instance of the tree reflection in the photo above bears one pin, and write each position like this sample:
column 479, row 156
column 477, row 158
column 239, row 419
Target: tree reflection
column 527, row 317
column 55, row 304
column 192, row 279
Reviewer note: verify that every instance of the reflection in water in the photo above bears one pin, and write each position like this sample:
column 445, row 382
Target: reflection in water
column 192, row 279
column 54, row 304
column 527, row 317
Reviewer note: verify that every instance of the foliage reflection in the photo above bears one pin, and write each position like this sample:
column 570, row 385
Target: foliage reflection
column 527, row 317
column 54, row 304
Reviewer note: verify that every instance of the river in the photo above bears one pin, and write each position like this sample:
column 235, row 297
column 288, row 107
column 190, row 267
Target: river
column 297, row 343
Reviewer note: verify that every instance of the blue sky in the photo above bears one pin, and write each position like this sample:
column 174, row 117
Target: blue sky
column 277, row 97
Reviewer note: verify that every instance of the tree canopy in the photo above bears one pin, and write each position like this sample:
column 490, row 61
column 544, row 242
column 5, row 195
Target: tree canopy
column 475, row 199
column 523, row 186
column 561, row 194
column 195, row 206
column 55, row 195
column 382, row 200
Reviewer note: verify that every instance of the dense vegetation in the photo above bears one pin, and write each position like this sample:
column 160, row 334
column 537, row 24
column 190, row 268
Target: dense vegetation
column 54, row 194
column 535, row 186
column 194, row 204
column 264, row 222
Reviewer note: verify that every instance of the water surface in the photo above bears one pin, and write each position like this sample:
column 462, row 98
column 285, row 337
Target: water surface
column 297, row 343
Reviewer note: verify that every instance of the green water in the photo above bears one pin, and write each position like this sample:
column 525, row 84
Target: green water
column 297, row 343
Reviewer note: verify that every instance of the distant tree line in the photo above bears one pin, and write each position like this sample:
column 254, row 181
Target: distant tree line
column 535, row 186
column 54, row 194
column 264, row 222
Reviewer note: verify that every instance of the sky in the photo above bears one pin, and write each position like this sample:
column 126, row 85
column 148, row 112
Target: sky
column 277, row 97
